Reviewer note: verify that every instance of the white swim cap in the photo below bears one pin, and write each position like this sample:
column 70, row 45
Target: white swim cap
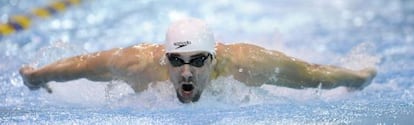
column 189, row 35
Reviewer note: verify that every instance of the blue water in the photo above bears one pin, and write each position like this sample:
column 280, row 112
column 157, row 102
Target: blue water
column 347, row 33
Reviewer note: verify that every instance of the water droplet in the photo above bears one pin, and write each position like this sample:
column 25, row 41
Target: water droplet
column 277, row 70
column 162, row 60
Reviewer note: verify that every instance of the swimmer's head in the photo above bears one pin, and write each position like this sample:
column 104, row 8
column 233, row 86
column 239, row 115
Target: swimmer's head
column 190, row 50
column 189, row 35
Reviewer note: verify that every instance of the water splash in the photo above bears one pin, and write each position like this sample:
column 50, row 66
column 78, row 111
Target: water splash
column 57, row 50
column 318, row 31
column 360, row 57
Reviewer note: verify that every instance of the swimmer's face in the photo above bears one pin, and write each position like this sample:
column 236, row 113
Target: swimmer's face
column 190, row 74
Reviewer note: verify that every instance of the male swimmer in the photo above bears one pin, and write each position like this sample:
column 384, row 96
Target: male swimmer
column 190, row 59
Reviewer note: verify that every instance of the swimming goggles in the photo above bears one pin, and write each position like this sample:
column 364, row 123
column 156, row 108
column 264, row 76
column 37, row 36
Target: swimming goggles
column 197, row 61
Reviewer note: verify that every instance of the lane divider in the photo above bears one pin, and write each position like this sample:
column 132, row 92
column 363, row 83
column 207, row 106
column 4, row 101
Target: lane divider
column 24, row 21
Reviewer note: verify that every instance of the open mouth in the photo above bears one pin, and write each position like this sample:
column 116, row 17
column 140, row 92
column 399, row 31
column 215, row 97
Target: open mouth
column 188, row 93
column 187, row 90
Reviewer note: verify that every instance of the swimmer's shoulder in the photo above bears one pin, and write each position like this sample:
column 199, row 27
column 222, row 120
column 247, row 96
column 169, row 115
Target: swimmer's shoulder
column 145, row 47
column 235, row 56
column 232, row 53
column 230, row 57
column 149, row 52
column 139, row 55
column 141, row 60
column 241, row 45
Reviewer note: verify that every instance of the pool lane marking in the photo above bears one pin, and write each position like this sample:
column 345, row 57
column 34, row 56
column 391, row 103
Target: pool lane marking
column 24, row 21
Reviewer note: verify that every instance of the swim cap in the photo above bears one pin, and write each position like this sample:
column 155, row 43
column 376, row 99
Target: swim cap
column 189, row 35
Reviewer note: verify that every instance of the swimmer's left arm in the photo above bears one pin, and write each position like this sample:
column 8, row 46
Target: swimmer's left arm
column 255, row 66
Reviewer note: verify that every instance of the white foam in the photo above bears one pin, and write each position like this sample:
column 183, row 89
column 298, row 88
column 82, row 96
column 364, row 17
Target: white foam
column 361, row 56
column 225, row 92
column 81, row 92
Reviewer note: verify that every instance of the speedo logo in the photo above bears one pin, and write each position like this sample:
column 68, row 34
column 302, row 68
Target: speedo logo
column 182, row 44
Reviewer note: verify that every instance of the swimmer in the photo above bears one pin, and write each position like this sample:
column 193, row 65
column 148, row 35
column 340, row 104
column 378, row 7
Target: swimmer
column 190, row 59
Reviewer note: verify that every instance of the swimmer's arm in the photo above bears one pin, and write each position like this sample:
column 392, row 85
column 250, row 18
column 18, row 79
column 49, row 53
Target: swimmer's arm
column 255, row 65
column 91, row 66
column 135, row 65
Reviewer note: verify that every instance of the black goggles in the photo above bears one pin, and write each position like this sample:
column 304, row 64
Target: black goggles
column 197, row 61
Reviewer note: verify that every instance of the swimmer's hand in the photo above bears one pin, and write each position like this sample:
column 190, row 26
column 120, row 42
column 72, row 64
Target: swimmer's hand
column 30, row 81
column 367, row 75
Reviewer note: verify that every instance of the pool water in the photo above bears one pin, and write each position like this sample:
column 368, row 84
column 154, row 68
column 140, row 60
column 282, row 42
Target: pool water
column 347, row 33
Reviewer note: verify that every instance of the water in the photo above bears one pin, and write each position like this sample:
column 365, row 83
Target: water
column 348, row 33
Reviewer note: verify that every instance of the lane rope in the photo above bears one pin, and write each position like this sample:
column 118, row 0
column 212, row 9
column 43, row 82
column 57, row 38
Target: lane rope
column 21, row 22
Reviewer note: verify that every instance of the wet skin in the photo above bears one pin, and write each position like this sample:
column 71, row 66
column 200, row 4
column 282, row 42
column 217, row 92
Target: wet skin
column 145, row 63
column 189, row 81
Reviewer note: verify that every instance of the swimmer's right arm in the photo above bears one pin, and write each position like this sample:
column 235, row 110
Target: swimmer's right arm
column 135, row 64
column 91, row 66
